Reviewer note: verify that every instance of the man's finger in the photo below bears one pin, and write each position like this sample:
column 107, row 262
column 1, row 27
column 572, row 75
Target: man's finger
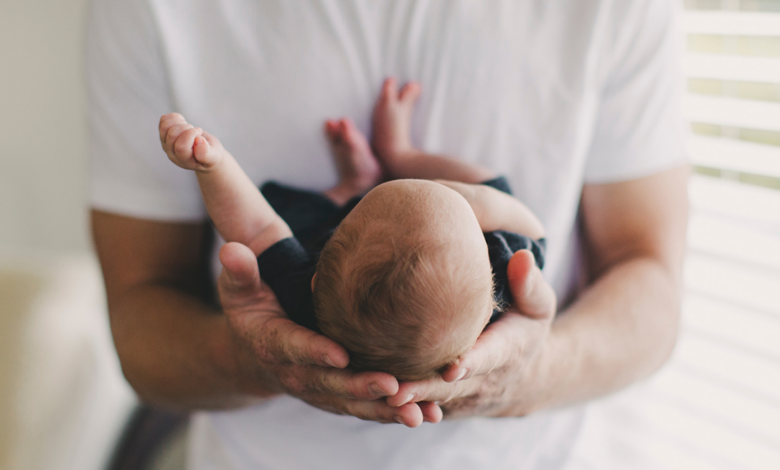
column 531, row 294
column 503, row 337
column 432, row 413
column 240, row 266
column 487, row 354
column 377, row 410
column 344, row 383
column 288, row 342
column 432, row 390
column 284, row 340
column 352, row 385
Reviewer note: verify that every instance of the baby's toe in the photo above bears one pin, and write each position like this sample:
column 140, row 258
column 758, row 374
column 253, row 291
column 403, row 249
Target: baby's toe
column 333, row 131
column 409, row 93
column 351, row 133
column 389, row 90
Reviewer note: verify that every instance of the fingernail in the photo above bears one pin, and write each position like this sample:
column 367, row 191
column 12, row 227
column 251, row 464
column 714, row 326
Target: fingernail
column 377, row 391
column 408, row 398
column 399, row 420
column 326, row 359
column 462, row 374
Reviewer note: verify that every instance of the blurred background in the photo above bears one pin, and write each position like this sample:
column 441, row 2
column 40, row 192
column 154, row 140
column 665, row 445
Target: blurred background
column 716, row 405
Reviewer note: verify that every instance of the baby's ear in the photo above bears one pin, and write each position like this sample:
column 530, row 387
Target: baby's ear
column 313, row 278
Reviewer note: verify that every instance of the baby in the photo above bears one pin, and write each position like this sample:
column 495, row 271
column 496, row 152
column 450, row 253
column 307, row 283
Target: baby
column 402, row 277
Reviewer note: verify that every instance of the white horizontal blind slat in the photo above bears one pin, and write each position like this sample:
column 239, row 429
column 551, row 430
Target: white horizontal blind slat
column 735, row 155
column 732, row 239
column 738, row 326
column 747, row 205
column 733, row 112
column 725, row 67
column 739, row 372
column 733, row 283
column 731, row 23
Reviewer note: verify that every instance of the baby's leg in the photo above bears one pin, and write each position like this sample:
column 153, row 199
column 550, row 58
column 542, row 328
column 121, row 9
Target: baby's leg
column 359, row 170
column 392, row 123
column 238, row 209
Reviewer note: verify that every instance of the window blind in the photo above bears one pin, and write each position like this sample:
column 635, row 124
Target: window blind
column 716, row 405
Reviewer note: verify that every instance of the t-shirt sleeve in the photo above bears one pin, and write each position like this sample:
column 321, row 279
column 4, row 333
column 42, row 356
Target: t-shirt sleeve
column 639, row 127
column 128, row 91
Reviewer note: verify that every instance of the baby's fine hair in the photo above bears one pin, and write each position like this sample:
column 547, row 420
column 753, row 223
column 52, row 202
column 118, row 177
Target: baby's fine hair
column 399, row 304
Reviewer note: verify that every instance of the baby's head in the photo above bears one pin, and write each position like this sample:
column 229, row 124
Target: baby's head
column 405, row 283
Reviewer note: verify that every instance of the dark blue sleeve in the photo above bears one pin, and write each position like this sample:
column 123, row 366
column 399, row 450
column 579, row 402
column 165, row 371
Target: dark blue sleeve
column 499, row 183
column 288, row 269
column 501, row 246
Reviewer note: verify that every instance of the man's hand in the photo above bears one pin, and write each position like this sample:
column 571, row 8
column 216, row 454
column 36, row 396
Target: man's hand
column 503, row 374
column 620, row 329
column 279, row 356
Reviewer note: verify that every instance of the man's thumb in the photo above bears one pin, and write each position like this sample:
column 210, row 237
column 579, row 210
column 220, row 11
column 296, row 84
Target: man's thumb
column 240, row 266
column 532, row 295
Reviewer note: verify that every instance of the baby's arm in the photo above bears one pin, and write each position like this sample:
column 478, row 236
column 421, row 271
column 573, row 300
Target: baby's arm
column 238, row 209
column 418, row 164
column 393, row 146
column 496, row 210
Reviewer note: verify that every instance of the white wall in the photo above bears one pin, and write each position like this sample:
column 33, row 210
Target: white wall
column 42, row 126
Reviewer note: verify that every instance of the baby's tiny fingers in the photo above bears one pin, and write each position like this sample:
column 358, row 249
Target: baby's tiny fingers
column 174, row 132
column 168, row 121
column 183, row 145
column 212, row 141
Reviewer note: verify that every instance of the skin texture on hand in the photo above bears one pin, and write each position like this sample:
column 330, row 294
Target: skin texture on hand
column 621, row 328
column 481, row 381
column 179, row 352
column 287, row 358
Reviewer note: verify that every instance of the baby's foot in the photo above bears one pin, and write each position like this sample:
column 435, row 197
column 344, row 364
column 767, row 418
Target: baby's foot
column 187, row 146
column 358, row 168
column 392, row 121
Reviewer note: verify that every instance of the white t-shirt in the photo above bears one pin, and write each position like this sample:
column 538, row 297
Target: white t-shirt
column 553, row 94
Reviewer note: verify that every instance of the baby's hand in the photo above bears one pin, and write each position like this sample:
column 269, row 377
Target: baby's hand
column 187, row 146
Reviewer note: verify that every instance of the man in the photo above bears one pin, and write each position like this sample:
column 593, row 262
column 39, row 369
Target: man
column 576, row 102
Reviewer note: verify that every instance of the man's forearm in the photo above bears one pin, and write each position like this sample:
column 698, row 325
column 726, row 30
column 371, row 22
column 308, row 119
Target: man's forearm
column 175, row 350
column 620, row 330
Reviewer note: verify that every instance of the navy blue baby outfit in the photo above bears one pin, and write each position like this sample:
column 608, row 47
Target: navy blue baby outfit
column 288, row 266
